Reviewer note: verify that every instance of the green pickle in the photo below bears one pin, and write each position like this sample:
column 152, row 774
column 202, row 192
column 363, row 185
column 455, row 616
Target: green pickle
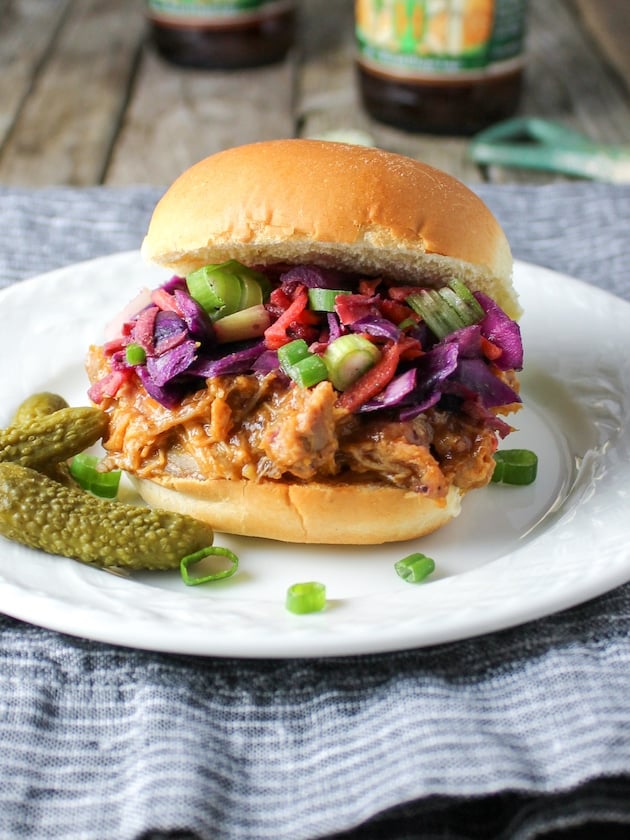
column 37, row 405
column 40, row 405
column 50, row 439
column 40, row 513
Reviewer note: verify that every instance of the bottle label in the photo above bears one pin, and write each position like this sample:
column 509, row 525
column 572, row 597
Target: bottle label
column 449, row 39
column 204, row 12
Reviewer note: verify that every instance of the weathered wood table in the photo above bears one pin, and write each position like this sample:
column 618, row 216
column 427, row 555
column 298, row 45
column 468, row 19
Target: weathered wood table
column 85, row 100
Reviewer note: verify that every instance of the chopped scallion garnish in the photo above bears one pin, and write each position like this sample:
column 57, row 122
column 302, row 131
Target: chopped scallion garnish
column 323, row 300
column 306, row 597
column 415, row 567
column 515, row 466
column 305, row 368
column 135, row 354
column 309, row 371
column 224, row 288
column 292, row 353
column 242, row 325
column 349, row 357
column 447, row 309
column 83, row 468
column 207, row 576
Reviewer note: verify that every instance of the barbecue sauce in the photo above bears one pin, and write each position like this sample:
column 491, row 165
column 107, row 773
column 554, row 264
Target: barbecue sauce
column 222, row 34
column 440, row 66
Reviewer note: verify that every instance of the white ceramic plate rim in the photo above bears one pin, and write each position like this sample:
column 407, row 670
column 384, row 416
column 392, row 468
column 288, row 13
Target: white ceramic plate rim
column 515, row 554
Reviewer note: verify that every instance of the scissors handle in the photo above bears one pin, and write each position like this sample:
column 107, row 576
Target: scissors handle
column 534, row 143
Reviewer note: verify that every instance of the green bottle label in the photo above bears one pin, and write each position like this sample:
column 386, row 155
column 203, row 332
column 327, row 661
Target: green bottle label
column 208, row 11
column 449, row 38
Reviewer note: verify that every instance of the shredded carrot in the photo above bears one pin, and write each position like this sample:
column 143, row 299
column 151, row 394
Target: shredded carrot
column 368, row 286
column 490, row 350
column 276, row 334
column 166, row 301
column 410, row 348
column 396, row 312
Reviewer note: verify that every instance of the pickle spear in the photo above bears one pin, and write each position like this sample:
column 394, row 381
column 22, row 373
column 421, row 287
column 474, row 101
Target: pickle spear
column 52, row 438
column 32, row 408
column 37, row 405
column 40, row 513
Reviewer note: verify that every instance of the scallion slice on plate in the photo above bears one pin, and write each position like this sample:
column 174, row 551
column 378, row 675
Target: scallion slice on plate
column 515, row 466
column 193, row 576
column 306, row 597
column 83, row 468
column 415, row 567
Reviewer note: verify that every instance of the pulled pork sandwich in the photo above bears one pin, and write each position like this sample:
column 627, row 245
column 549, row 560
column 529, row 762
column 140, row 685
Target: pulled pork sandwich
column 331, row 357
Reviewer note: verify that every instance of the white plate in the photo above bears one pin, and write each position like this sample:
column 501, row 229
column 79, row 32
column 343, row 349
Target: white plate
column 514, row 554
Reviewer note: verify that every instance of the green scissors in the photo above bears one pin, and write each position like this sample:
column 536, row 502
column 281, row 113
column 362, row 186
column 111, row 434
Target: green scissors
column 533, row 143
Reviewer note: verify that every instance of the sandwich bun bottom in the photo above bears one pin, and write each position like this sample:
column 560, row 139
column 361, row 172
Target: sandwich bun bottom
column 327, row 513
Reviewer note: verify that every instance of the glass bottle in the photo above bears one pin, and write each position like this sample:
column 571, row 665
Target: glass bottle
column 222, row 34
column 440, row 66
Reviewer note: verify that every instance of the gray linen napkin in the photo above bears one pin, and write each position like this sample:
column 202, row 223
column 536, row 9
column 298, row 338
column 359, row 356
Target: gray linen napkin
column 510, row 735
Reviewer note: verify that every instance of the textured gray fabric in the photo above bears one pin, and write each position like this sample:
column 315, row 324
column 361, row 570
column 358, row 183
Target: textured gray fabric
column 506, row 736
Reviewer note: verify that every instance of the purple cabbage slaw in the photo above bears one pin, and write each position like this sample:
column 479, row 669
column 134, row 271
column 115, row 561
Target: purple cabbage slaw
column 182, row 352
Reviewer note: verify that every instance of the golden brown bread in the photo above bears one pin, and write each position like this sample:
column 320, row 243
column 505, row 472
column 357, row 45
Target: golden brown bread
column 335, row 513
column 333, row 204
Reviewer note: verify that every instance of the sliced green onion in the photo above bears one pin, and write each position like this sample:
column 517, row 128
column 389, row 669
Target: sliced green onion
column 83, row 468
column 251, row 292
column 309, row 371
column 349, row 357
column 243, row 325
column 415, row 567
column 515, row 466
column 224, row 288
column 306, row 597
column 302, row 366
column 207, row 577
column 135, row 354
column 203, row 290
column 447, row 309
column 466, row 297
column 407, row 322
column 323, row 300
column 292, row 353
column 436, row 313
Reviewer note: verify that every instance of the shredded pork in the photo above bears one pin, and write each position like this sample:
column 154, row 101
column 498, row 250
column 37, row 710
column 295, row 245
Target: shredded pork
column 256, row 427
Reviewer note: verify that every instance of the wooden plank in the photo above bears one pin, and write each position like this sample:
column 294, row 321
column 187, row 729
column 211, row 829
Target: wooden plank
column 27, row 32
column 608, row 21
column 568, row 82
column 328, row 100
column 65, row 129
column 177, row 116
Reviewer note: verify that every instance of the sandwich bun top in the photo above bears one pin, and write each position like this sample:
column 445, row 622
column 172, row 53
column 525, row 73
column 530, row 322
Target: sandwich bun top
column 350, row 207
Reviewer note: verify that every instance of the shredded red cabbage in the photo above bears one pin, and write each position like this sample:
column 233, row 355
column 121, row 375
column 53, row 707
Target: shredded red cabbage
column 143, row 328
column 169, row 331
column 434, row 370
column 168, row 365
column 476, row 380
column 196, row 318
column 237, row 361
column 377, row 326
column 334, row 327
column 393, row 394
column 502, row 331
column 452, row 373
column 314, row 277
